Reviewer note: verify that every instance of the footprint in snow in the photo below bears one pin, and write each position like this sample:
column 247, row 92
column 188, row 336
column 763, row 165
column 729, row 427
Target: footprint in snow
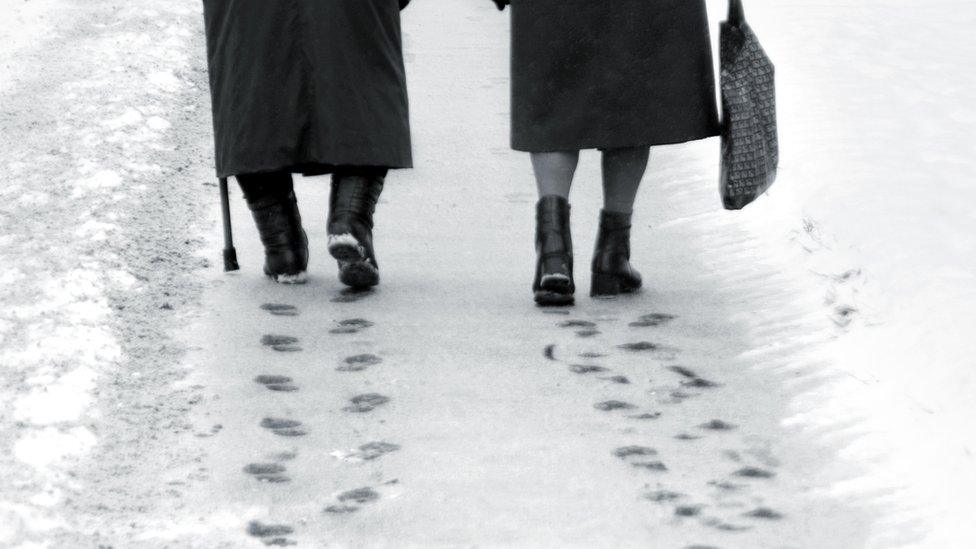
column 843, row 315
column 351, row 326
column 656, row 466
column 358, row 363
column 368, row 402
column 720, row 524
column 351, row 295
column 625, row 452
column 652, row 320
column 577, row 324
column 550, row 352
column 284, row 456
column 280, row 309
column 725, row 486
column 268, row 379
column 367, row 452
column 764, row 513
column 692, row 379
column 663, row 496
column 611, row 405
column 620, row 380
column 586, row 369
column 359, row 495
column 657, row 351
column 360, row 323
column 754, row 472
column 699, row 383
column 717, row 425
column 677, row 397
column 270, row 534
column 375, row 450
column 267, row 472
column 283, row 384
column 684, row 372
column 281, row 343
column 284, row 427
column 349, row 502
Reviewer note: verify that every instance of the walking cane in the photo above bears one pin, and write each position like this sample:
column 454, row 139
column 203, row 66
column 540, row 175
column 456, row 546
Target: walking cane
column 230, row 254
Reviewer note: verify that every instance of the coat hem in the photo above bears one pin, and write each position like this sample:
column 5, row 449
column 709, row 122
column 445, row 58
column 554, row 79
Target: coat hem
column 308, row 168
column 522, row 146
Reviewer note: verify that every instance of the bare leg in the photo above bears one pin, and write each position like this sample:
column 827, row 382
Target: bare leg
column 554, row 172
column 623, row 170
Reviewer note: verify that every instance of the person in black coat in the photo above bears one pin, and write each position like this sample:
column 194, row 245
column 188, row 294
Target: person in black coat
column 617, row 76
column 312, row 88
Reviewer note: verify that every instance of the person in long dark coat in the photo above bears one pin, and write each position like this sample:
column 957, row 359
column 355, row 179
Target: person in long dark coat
column 311, row 87
column 619, row 76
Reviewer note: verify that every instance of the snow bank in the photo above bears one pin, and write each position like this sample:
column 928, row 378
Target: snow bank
column 878, row 157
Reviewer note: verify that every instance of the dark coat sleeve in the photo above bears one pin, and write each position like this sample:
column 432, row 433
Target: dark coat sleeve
column 403, row 3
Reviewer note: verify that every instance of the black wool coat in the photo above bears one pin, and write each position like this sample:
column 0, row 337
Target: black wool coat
column 610, row 74
column 306, row 85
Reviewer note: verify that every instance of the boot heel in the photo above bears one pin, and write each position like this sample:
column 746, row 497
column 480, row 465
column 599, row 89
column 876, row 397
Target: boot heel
column 605, row 285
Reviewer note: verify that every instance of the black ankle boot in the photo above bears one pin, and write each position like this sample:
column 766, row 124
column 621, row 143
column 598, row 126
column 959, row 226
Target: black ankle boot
column 554, row 247
column 351, row 207
column 612, row 271
column 280, row 227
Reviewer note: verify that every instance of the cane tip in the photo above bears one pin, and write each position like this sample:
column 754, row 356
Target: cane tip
column 230, row 260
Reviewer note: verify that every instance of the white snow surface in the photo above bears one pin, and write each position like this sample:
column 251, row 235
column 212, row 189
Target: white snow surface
column 876, row 108
column 836, row 313
column 76, row 149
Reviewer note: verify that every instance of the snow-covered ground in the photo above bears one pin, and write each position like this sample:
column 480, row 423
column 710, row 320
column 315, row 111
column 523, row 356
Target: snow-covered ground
column 879, row 163
column 103, row 124
column 799, row 373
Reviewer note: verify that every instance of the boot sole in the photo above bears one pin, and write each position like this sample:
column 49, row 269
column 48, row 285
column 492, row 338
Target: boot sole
column 605, row 285
column 287, row 278
column 360, row 274
column 345, row 247
column 555, row 290
column 354, row 269
column 547, row 298
column 290, row 279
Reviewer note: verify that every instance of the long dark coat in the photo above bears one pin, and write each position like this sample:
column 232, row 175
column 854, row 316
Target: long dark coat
column 610, row 74
column 305, row 85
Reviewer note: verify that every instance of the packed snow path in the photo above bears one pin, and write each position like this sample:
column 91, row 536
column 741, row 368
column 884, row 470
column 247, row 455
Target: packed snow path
column 151, row 400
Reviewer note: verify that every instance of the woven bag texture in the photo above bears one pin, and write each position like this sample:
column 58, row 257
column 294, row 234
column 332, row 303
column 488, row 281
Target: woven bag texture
column 750, row 142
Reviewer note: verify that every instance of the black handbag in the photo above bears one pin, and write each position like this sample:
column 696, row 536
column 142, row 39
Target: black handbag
column 750, row 144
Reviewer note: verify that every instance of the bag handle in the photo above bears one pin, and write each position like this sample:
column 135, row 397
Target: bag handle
column 737, row 14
